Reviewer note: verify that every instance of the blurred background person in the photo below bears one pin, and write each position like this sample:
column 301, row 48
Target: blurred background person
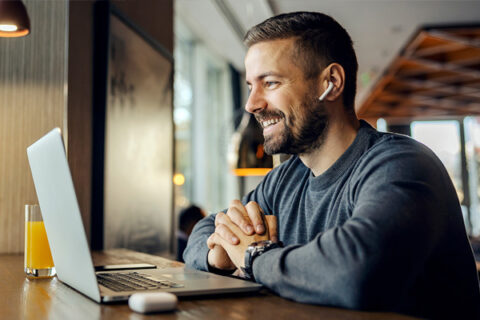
column 187, row 219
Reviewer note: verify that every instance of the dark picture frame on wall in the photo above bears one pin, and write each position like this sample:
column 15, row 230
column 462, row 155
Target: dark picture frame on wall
column 133, row 137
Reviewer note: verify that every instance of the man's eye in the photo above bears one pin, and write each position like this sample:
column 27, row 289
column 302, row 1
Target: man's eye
column 271, row 84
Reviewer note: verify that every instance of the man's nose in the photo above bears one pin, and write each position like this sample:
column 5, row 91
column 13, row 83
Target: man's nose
column 256, row 102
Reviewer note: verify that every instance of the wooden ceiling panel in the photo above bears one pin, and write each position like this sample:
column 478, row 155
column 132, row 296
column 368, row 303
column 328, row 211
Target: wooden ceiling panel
column 437, row 74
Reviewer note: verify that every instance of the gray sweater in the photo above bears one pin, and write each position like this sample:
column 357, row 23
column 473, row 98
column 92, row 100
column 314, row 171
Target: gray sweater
column 381, row 230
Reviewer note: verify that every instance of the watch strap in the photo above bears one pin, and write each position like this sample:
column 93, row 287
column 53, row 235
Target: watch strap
column 254, row 250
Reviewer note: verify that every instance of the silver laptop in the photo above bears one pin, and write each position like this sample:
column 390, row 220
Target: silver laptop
column 70, row 250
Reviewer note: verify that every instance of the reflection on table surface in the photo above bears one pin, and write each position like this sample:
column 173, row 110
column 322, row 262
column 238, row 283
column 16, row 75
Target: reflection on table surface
column 51, row 299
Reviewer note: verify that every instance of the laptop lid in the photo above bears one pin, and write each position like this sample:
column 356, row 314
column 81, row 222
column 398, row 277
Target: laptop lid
column 61, row 214
column 68, row 242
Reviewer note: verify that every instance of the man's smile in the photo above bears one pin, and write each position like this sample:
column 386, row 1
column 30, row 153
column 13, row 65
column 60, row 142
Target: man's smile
column 269, row 125
column 269, row 122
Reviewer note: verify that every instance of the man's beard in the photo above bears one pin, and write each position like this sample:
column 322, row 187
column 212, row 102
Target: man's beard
column 311, row 121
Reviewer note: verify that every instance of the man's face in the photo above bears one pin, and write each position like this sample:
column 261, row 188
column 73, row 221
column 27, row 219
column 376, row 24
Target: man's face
column 284, row 103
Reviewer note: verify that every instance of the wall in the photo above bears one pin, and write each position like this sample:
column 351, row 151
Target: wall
column 80, row 102
column 32, row 102
column 33, row 97
column 154, row 17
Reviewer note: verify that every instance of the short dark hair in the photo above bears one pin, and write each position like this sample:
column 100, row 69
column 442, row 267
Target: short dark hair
column 320, row 41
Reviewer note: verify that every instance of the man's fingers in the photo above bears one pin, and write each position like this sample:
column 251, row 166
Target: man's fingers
column 222, row 220
column 272, row 227
column 237, row 214
column 218, row 257
column 216, row 241
column 226, row 234
column 255, row 214
column 212, row 241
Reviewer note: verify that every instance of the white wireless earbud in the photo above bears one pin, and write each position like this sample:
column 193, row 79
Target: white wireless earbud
column 329, row 89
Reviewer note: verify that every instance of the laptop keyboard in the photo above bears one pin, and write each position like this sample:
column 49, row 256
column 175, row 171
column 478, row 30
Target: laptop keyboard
column 133, row 281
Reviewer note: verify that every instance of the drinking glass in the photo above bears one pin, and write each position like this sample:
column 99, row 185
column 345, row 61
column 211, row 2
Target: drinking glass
column 38, row 258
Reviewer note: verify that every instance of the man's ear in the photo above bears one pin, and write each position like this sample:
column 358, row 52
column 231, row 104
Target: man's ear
column 336, row 74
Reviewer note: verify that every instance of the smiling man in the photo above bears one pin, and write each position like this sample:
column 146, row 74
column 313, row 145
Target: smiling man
column 368, row 220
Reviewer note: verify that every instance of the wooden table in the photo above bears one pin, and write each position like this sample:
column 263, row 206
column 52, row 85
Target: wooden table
column 21, row 298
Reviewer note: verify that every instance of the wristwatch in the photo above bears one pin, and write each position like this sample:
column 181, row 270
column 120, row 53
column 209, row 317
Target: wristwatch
column 254, row 250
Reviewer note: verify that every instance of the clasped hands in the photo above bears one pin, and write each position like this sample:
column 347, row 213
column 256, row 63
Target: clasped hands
column 235, row 231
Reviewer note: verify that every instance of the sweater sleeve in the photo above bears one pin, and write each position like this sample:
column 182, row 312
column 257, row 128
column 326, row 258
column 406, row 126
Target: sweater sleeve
column 400, row 204
column 196, row 252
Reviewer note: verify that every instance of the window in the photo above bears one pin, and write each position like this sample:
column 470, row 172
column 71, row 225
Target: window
column 203, row 115
column 182, row 116
column 472, row 149
column 443, row 137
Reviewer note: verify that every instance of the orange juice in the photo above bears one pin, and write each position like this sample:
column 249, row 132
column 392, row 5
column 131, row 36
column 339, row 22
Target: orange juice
column 37, row 250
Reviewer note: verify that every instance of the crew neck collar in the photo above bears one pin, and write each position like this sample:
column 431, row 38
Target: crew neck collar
column 348, row 158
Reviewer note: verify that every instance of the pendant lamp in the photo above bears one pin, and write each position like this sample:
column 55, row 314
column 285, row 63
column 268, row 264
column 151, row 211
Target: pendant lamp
column 14, row 21
column 247, row 157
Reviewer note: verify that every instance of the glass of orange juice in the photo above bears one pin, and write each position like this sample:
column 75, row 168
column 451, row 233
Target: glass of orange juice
column 38, row 259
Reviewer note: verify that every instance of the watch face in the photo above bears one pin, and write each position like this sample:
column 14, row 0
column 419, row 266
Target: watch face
column 259, row 245
column 263, row 243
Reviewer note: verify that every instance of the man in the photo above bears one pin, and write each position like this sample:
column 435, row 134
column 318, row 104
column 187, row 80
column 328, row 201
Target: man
column 369, row 220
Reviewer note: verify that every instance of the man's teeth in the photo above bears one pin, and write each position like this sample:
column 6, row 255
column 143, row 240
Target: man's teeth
column 269, row 122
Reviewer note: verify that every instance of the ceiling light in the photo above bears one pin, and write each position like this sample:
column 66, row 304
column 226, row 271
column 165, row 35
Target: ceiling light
column 14, row 21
